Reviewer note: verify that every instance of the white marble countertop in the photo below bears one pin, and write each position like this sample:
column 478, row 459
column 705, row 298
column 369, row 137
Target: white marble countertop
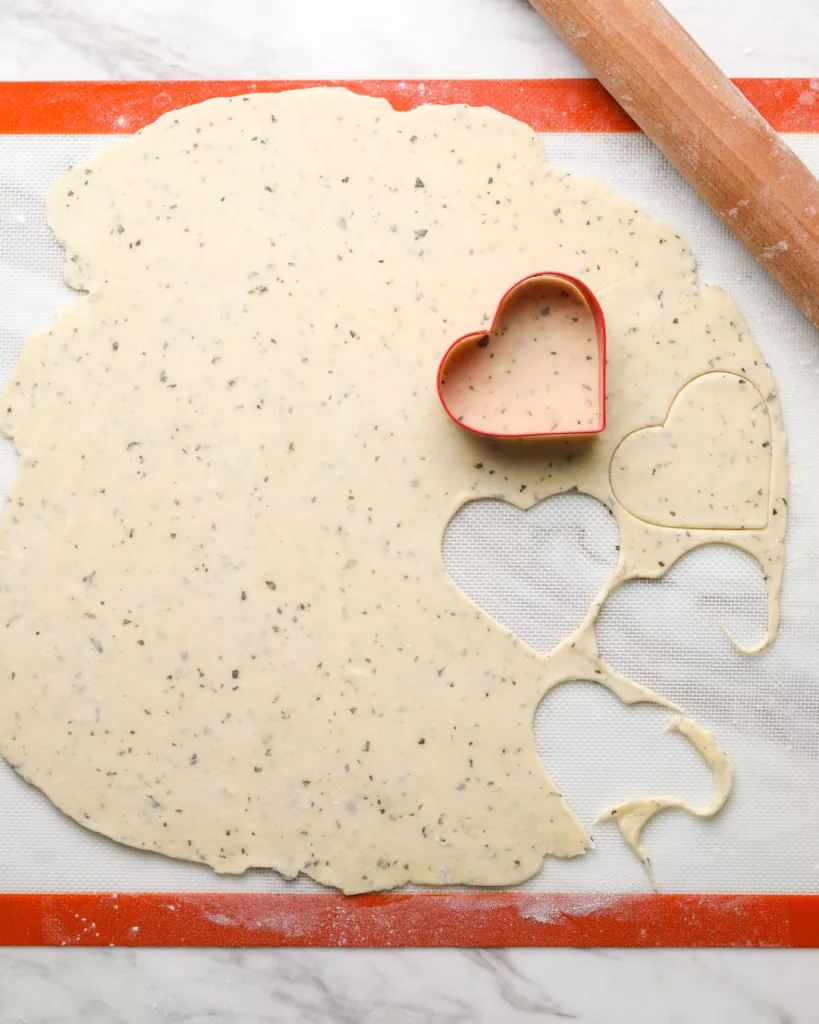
column 51, row 39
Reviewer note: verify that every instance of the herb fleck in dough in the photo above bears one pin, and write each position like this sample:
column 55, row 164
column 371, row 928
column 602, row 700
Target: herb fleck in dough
column 229, row 633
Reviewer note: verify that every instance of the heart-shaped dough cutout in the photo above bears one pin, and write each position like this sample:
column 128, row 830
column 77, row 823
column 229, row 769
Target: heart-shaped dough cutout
column 539, row 370
column 708, row 467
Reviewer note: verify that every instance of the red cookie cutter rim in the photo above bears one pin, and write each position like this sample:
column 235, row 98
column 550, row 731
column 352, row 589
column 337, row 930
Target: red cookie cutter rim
column 600, row 327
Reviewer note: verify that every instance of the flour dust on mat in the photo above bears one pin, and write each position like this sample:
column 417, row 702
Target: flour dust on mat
column 229, row 633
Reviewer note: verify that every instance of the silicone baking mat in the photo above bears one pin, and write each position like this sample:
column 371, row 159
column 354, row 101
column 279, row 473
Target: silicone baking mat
column 749, row 877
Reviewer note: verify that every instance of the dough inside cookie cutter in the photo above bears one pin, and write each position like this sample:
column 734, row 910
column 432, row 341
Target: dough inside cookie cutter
column 540, row 369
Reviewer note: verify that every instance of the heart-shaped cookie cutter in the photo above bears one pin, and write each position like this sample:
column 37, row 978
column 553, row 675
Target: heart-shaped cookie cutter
column 557, row 391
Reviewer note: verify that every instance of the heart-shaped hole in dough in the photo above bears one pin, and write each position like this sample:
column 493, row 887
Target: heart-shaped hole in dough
column 539, row 370
column 535, row 572
column 708, row 467
column 679, row 634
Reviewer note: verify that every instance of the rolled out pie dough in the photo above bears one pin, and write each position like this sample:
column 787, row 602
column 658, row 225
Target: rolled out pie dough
column 228, row 632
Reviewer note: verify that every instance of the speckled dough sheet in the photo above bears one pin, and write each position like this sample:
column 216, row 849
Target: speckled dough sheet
column 230, row 636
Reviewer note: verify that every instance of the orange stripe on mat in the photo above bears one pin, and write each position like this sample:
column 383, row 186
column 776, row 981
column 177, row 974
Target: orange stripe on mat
column 408, row 919
column 548, row 105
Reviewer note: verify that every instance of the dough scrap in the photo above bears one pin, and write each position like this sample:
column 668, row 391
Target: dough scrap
column 229, row 635
column 633, row 815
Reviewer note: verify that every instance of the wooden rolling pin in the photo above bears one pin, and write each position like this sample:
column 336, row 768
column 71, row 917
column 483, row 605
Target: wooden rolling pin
column 706, row 128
